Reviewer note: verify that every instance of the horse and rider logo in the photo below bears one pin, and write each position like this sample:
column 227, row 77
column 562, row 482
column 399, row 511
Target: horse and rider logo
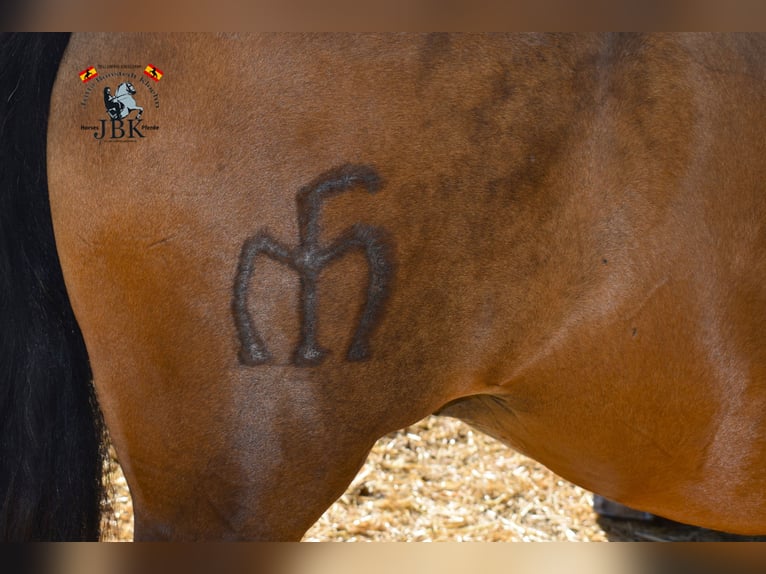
column 119, row 105
column 124, row 120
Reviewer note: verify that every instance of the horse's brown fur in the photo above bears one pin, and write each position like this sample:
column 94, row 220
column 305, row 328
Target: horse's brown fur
column 578, row 225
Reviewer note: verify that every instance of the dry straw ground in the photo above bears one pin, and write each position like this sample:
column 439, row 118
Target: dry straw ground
column 440, row 480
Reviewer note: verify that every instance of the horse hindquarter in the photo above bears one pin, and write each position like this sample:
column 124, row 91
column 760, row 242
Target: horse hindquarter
column 538, row 220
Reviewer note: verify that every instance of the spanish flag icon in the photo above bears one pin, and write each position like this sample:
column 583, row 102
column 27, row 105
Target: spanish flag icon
column 88, row 74
column 153, row 72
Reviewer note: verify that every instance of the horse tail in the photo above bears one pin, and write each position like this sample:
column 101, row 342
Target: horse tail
column 51, row 431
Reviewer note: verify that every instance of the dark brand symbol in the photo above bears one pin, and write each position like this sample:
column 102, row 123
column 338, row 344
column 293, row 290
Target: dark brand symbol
column 308, row 259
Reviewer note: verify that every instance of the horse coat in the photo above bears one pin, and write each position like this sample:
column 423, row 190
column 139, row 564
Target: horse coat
column 556, row 238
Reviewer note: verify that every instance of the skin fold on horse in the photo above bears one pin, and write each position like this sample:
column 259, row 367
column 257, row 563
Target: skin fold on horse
column 573, row 233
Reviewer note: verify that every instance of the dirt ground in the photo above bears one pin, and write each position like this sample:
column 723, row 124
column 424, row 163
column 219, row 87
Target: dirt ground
column 440, row 480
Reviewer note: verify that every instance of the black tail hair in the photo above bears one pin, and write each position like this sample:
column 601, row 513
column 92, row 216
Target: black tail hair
column 51, row 431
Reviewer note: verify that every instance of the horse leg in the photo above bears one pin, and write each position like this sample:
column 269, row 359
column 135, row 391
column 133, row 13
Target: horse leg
column 270, row 482
column 214, row 447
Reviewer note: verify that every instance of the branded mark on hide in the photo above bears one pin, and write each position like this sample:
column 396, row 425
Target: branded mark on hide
column 308, row 258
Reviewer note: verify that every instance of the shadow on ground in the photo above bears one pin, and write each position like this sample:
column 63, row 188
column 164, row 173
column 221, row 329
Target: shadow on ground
column 661, row 530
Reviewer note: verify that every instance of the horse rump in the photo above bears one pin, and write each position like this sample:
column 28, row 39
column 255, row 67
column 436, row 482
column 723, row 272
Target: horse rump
column 51, row 433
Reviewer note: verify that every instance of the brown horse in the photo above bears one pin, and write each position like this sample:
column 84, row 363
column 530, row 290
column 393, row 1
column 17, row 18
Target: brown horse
column 309, row 241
